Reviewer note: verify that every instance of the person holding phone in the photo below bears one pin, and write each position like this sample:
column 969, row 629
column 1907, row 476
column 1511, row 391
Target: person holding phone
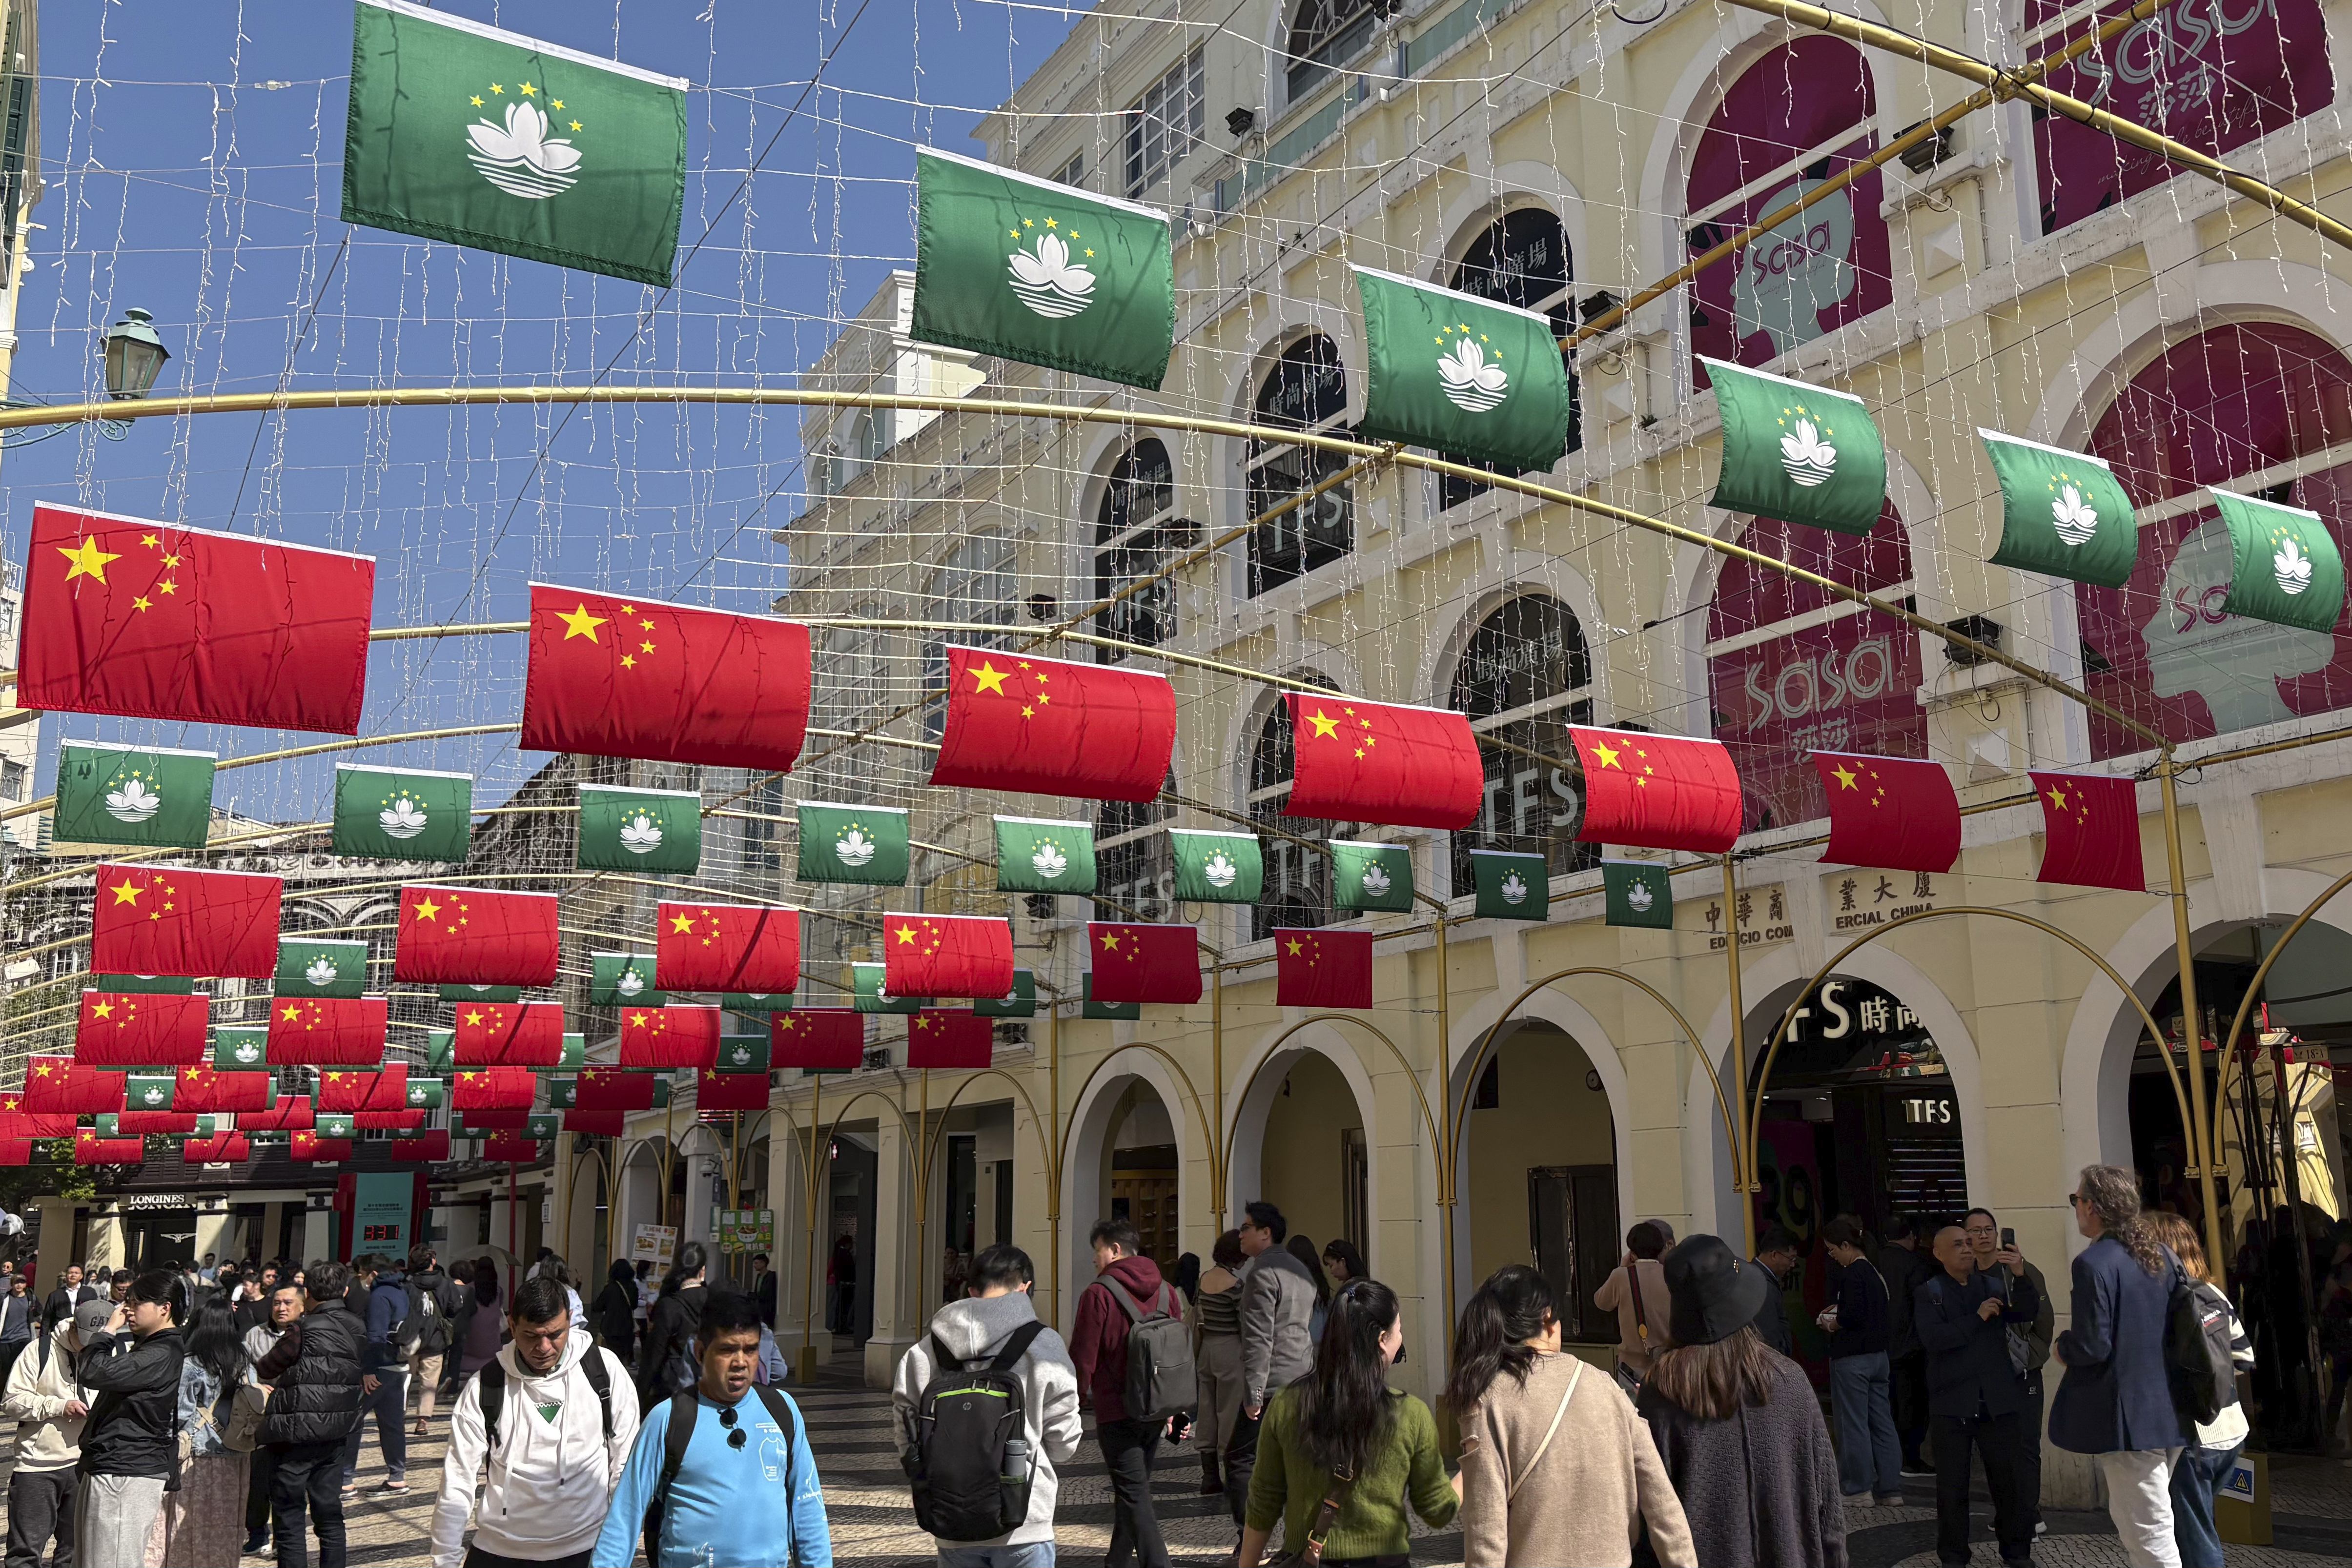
column 1975, row 1395
column 2029, row 1342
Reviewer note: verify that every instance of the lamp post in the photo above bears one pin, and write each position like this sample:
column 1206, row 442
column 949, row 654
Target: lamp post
column 134, row 358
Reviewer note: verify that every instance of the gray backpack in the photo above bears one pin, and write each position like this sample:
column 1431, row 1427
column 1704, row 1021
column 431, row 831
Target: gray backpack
column 1160, row 1381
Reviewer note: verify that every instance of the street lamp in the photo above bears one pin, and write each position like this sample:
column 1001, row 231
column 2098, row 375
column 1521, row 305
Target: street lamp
column 134, row 358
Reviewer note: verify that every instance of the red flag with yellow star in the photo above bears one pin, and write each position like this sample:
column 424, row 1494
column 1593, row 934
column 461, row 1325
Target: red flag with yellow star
column 1047, row 726
column 508, row 1034
column 388, row 1121
column 206, row 1088
column 59, row 1083
column 629, row 677
column 2090, row 827
column 1894, row 813
column 749, row 947
column 308, row 1147
column 145, row 1030
column 165, row 920
column 327, row 1031
column 939, row 1038
column 1658, row 792
column 465, row 936
column 947, row 956
column 515, row 1146
column 819, row 1040
column 153, row 621
column 424, row 1148
column 1136, row 963
column 716, row 1090
column 1322, row 968
column 677, row 1036
column 493, row 1089
column 30, row 1124
column 1374, row 762
column 611, row 1089
column 386, row 1090
column 89, row 1149
column 220, row 1149
column 292, row 1113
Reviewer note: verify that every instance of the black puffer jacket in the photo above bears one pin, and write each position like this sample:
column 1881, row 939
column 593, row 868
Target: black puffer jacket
column 133, row 1423
column 314, row 1377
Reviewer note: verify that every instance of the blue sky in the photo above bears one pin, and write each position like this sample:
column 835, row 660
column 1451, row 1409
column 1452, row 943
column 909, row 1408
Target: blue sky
column 193, row 156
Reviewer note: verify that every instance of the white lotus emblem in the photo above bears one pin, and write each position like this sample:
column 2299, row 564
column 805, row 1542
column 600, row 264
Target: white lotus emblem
column 1469, row 382
column 1809, row 459
column 1638, row 898
column 1049, row 862
column 248, row 1052
column 1515, row 889
column 152, row 1097
column 321, row 971
column 853, row 847
column 641, row 835
column 741, row 1056
column 522, row 159
column 630, row 983
column 1049, row 282
column 134, row 803
column 416, row 1094
column 2075, row 518
column 1221, row 870
column 403, row 819
column 2292, row 567
column 1376, row 881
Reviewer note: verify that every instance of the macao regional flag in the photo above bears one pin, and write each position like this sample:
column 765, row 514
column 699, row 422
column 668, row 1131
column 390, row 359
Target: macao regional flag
column 744, row 947
column 169, row 920
column 464, row 936
column 673, row 1036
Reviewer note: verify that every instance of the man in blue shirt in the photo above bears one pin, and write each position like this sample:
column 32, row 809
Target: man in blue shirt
column 745, row 1489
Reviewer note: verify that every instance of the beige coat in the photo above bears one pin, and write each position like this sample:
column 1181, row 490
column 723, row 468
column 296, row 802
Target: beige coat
column 1587, row 1498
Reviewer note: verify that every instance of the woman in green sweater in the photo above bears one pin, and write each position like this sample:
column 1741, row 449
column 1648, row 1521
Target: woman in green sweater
column 1341, row 1455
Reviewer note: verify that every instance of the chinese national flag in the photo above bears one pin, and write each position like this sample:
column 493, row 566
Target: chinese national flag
column 601, row 1123
column 152, row 621
column 1322, row 968
column 89, row 1149
column 292, row 1113
column 424, row 1148
column 142, row 1123
column 726, row 947
column 58, row 1083
column 153, row 1029
column 156, row 920
column 327, row 1031
column 947, row 956
column 939, row 1038
column 502, row 1119
column 20, row 1123
column 15, row 1152
column 493, row 1089
column 730, row 1091
column 1659, row 791
column 383, row 1091
column 1892, row 812
column 1370, row 762
column 309, row 1146
column 1145, row 963
column 2090, row 827
column 508, row 1034
column 513, row 1146
column 610, row 1089
column 220, row 1149
column 464, row 936
column 821, row 1039
column 678, row 1036
column 206, row 1088
column 615, row 678
column 388, row 1121
column 1046, row 726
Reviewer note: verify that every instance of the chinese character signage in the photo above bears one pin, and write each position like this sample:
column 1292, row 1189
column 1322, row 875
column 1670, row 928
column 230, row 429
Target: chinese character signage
column 1760, row 915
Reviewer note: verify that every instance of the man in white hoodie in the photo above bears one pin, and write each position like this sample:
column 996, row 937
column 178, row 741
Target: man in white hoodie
column 50, row 1408
column 562, row 1433
column 974, row 1330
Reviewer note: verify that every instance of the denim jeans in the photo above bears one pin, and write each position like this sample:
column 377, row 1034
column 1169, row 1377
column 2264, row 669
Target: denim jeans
column 1028, row 1554
column 1870, row 1456
column 2194, row 1479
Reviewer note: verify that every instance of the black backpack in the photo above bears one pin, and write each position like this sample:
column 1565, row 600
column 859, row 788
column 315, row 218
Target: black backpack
column 683, row 1409
column 427, row 1329
column 493, row 1378
column 1160, row 1381
column 2197, row 1352
column 956, row 1438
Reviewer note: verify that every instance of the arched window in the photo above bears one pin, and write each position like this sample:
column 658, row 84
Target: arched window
column 1324, row 36
column 1522, row 259
column 1305, row 390
column 1788, row 668
column 1297, row 879
column 1525, row 676
column 1793, row 118
column 2259, row 408
column 976, row 583
column 1138, row 533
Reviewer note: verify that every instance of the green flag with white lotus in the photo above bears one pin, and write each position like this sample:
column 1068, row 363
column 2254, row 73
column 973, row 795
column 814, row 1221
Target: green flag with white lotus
column 639, row 829
column 1371, row 876
column 868, row 996
column 316, row 966
column 1009, row 265
column 463, row 132
column 2064, row 514
column 148, row 1092
column 334, row 1124
column 427, row 1093
column 144, row 985
column 2285, row 567
column 623, row 979
column 1801, row 454
column 239, row 1048
column 742, row 1053
column 384, row 813
column 1511, row 885
column 1461, row 375
column 864, row 844
column 1037, row 854
column 1637, row 893
column 1020, row 1002
column 148, row 798
column 1217, row 868
column 575, row 1051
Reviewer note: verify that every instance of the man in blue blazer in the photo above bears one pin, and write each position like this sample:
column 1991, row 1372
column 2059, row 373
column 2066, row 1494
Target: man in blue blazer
column 1975, row 1395
column 2115, row 1403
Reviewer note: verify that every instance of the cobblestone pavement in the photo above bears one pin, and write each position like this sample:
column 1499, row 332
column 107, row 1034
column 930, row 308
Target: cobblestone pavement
column 872, row 1524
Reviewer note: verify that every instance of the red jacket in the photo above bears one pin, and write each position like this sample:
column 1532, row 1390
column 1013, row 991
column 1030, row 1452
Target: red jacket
column 1098, row 1339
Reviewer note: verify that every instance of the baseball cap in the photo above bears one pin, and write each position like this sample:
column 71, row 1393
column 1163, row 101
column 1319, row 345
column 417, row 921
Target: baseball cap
column 91, row 1317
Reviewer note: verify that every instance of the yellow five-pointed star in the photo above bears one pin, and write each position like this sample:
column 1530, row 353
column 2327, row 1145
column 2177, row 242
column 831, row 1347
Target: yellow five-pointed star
column 579, row 623
column 2058, row 796
column 989, row 678
column 127, row 893
column 291, row 1013
column 143, row 602
column 428, row 910
column 1608, row 757
column 478, row 101
column 1295, row 947
column 102, row 1009
column 1323, row 724
column 1843, row 776
column 681, row 922
column 1111, row 941
column 85, row 560
column 527, row 89
column 906, row 935
column 474, row 1020
column 575, row 125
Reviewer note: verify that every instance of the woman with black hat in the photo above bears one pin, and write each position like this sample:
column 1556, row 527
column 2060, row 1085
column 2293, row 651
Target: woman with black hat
column 1738, row 1424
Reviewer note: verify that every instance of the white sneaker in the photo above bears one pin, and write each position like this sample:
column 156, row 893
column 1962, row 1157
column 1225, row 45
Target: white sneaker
column 1860, row 1500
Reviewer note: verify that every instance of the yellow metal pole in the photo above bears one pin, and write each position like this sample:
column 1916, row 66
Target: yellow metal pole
column 2200, row 1153
column 1054, row 1167
column 1743, row 1145
column 1445, row 1172
column 1218, row 1162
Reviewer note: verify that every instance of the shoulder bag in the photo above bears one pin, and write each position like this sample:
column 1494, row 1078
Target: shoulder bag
column 1627, row 1377
column 1549, row 1432
column 1326, row 1514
